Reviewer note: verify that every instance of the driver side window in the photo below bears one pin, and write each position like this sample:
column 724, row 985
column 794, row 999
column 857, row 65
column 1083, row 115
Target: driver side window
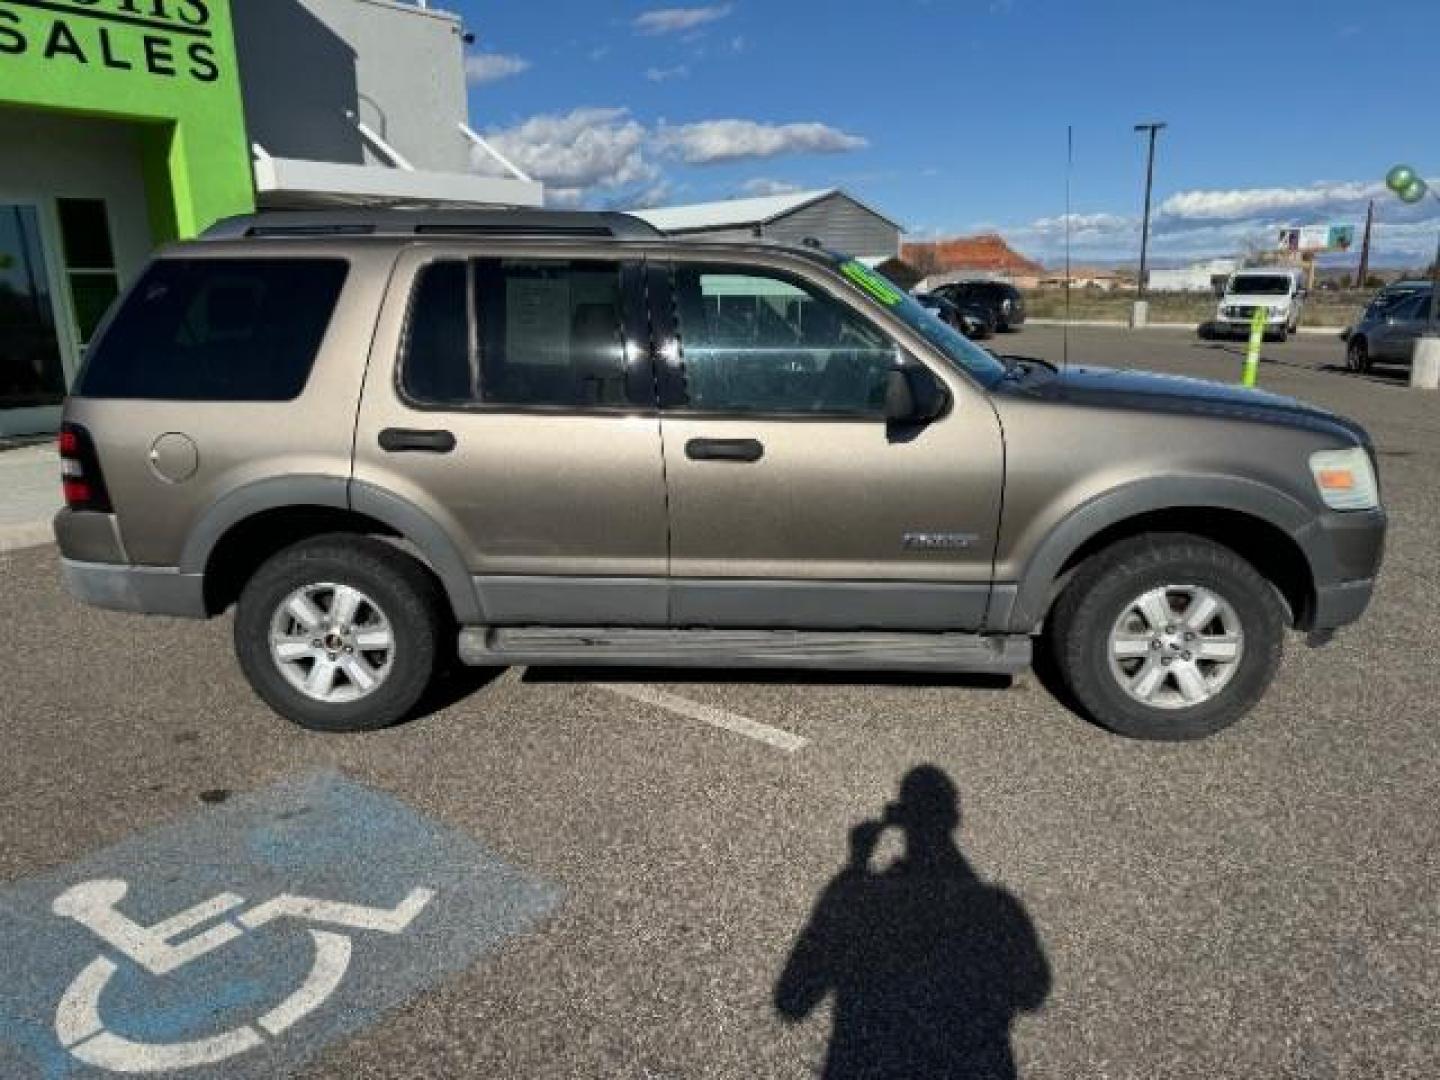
column 753, row 341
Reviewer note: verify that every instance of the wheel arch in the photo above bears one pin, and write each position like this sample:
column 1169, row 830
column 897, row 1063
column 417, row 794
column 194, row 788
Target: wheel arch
column 243, row 529
column 1258, row 522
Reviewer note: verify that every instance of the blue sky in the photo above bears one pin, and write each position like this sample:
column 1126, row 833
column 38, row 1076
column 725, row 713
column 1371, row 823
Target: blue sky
column 950, row 115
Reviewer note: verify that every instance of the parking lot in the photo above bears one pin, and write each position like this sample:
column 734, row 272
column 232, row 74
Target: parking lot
column 663, row 856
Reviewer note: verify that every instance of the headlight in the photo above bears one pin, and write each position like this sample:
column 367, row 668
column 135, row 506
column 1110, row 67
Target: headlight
column 1345, row 479
column 1278, row 313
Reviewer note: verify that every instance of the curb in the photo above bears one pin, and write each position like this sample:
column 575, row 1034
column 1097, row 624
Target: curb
column 26, row 535
column 1124, row 325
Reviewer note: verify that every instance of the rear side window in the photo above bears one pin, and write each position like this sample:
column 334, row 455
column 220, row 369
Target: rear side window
column 517, row 332
column 217, row 330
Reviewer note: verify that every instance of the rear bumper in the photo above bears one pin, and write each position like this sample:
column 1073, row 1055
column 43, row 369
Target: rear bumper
column 145, row 590
column 97, row 571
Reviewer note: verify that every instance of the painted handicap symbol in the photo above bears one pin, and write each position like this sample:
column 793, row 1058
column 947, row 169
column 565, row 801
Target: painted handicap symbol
column 163, row 948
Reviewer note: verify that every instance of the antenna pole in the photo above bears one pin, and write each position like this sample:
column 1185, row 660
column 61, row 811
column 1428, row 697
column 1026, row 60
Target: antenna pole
column 1069, row 168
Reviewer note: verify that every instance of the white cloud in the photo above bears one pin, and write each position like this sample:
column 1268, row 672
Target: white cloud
column 492, row 67
column 600, row 156
column 711, row 141
column 1230, row 205
column 677, row 20
column 1415, row 239
column 1084, row 228
column 762, row 186
column 577, row 154
column 657, row 194
column 658, row 74
column 1207, row 222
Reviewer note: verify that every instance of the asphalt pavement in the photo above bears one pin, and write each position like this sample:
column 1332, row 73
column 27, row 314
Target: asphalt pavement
column 673, row 887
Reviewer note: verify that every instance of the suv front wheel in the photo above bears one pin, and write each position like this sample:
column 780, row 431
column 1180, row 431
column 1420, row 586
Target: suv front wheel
column 339, row 633
column 1167, row 637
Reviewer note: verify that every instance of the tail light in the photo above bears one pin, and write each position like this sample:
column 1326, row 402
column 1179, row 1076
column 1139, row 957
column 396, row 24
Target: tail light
column 80, row 471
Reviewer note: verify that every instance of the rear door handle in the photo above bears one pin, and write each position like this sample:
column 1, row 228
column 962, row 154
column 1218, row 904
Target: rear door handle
column 724, row 450
column 412, row 441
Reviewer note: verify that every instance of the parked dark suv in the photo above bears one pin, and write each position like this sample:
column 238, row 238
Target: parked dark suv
column 1003, row 300
column 561, row 438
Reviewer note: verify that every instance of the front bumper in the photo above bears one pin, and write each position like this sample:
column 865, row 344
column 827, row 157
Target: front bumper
column 98, row 572
column 1345, row 551
column 1226, row 325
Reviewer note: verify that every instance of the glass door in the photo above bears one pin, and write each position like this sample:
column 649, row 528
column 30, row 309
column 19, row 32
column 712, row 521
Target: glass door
column 32, row 372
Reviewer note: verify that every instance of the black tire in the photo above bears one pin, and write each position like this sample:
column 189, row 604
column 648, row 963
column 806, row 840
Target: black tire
column 1357, row 356
column 1078, row 633
column 400, row 587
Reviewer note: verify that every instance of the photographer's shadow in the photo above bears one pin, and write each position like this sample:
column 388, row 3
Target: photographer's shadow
column 929, row 964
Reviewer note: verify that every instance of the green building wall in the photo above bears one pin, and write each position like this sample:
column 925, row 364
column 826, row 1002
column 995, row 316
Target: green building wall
column 167, row 66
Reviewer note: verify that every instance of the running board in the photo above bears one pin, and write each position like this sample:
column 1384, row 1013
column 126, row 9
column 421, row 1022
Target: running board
column 482, row 646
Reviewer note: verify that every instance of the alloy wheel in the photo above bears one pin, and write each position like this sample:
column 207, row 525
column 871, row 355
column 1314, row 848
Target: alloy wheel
column 332, row 642
column 1176, row 646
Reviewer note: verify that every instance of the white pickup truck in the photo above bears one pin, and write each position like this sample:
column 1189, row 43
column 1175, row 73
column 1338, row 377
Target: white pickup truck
column 1279, row 291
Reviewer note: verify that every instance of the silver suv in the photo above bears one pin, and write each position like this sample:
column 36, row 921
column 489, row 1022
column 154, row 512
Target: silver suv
column 562, row 438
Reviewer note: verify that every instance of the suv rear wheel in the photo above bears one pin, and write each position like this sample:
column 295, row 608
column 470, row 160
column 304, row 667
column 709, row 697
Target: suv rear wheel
column 1167, row 637
column 339, row 633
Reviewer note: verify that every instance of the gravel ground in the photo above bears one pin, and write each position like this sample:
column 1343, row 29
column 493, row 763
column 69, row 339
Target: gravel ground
column 1262, row 904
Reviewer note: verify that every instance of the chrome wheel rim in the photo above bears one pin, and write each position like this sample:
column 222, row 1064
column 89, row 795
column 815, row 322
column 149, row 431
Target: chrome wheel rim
column 332, row 642
column 1176, row 646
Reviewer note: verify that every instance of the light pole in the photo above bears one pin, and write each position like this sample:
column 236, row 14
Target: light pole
column 1141, row 308
column 1411, row 188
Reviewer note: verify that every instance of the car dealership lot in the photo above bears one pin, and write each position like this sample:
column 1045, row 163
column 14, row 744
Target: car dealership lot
column 1260, row 904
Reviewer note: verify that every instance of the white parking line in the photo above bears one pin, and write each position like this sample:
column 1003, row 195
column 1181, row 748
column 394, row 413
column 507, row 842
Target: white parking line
column 693, row 710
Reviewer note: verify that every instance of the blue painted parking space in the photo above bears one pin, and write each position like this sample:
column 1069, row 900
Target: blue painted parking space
column 243, row 940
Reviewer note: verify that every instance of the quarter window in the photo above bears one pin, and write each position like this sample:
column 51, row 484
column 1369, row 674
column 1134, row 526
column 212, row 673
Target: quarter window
column 517, row 332
column 753, row 341
column 216, row 330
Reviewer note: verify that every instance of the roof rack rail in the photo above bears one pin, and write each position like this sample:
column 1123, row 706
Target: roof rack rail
column 390, row 222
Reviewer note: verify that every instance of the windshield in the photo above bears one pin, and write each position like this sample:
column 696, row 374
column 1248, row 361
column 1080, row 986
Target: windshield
column 1260, row 285
column 957, row 348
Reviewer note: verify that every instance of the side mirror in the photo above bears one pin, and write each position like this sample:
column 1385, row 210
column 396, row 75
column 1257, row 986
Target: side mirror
column 913, row 395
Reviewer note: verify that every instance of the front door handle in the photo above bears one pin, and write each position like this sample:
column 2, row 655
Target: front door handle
column 724, row 450
column 413, row 440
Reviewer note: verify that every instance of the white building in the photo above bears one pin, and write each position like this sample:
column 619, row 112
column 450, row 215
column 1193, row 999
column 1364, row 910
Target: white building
column 1197, row 277
column 834, row 218
column 363, row 102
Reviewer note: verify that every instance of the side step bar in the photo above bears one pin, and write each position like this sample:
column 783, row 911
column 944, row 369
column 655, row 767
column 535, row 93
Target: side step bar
column 482, row 646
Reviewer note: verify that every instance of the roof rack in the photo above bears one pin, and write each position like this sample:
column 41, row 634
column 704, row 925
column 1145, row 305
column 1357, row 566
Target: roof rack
column 499, row 222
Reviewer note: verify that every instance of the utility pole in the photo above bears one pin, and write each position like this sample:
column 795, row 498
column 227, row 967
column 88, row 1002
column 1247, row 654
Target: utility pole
column 1365, row 247
column 1141, row 308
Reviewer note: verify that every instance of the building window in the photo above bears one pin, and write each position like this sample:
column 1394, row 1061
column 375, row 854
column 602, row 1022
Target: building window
column 31, row 373
column 89, row 261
